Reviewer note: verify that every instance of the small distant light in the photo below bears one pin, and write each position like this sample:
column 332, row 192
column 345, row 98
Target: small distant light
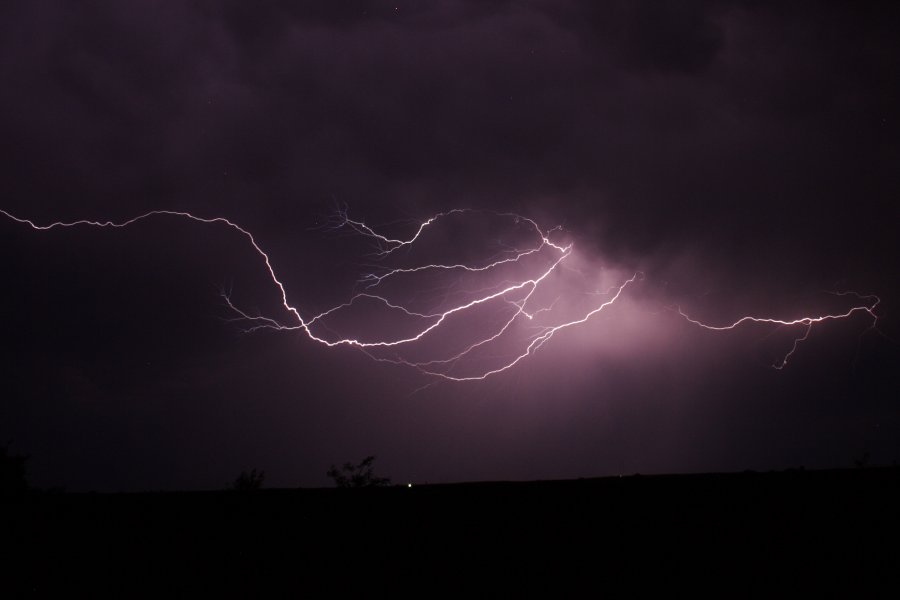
column 409, row 485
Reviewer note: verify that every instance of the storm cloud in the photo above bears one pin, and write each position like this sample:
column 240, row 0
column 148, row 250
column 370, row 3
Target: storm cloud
column 743, row 156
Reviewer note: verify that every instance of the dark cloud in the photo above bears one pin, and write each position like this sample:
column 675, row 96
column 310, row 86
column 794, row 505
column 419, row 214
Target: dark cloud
column 748, row 149
column 647, row 36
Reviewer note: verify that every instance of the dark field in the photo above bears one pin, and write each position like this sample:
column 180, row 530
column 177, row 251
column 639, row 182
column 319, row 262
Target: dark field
column 801, row 528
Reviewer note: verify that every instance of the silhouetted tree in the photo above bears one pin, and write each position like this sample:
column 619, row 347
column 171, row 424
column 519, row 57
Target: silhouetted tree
column 247, row 482
column 357, row 476
column 12, row 472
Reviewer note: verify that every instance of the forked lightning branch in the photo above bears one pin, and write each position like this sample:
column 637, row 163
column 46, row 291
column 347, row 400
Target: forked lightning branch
column 505, row 302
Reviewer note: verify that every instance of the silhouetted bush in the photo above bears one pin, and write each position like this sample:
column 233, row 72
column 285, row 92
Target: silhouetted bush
column 12, row 472
column 357, row 476
column 248, row 482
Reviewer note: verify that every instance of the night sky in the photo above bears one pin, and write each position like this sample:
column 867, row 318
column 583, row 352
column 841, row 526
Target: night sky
column 743, row 156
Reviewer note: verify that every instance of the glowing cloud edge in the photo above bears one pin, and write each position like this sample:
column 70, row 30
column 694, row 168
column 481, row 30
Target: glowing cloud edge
column 387, row 245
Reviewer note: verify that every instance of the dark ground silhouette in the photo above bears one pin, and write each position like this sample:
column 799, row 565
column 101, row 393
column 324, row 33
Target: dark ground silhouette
column 756, row 531
column 249, row 481
column 357, row 476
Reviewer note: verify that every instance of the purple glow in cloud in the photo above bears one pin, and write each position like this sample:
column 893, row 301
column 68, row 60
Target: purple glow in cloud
column 464, row 319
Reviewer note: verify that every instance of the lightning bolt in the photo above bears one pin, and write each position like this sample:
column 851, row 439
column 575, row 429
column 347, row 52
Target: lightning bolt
column 871, row 302
column 519, row 316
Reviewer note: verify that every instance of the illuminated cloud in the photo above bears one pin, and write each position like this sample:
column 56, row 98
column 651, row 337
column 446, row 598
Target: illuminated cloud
column 469, row 320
